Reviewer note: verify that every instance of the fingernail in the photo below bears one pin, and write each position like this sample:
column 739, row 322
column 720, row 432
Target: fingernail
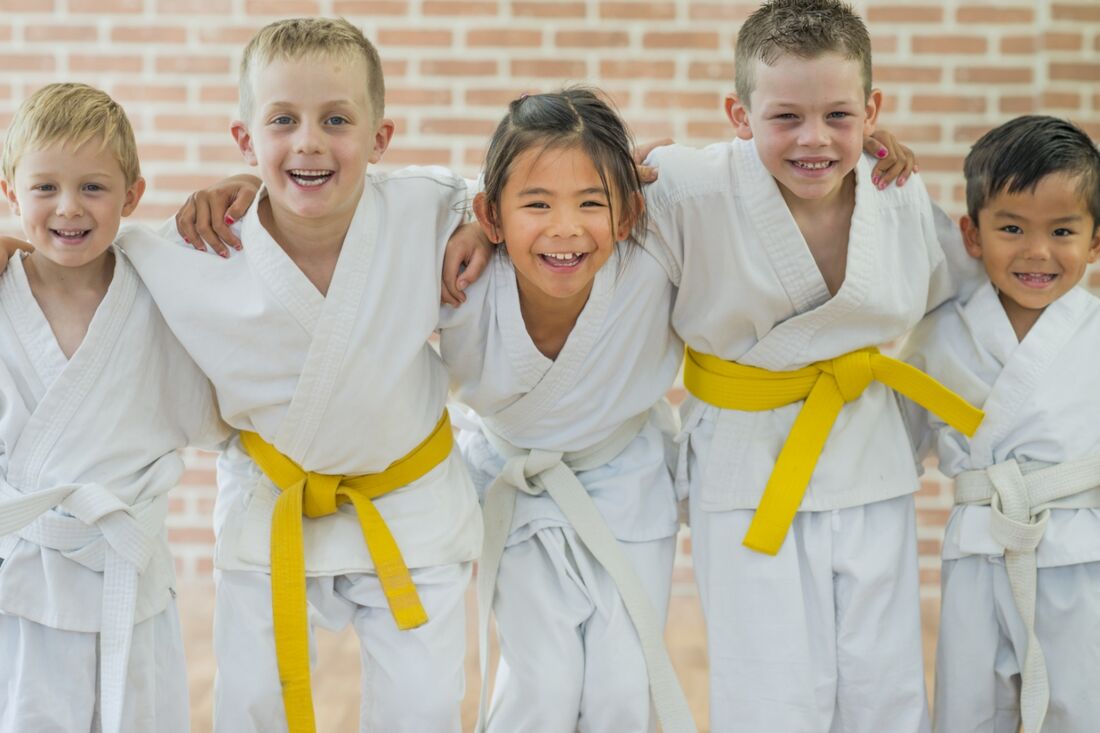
column 224, row 254
column 187, row 240
column 881, row 185
column 916, row 169
column 882, row 152
column 237, row 247
column 901, row 181
column 874, row 180
column 229, row 219
column 462, row 284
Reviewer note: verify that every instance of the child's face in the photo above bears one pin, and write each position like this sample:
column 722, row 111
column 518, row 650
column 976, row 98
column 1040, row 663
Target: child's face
column 71, row 200
column 312, row 134
column 1035, row 245
column 808, row 118
column 555, row 220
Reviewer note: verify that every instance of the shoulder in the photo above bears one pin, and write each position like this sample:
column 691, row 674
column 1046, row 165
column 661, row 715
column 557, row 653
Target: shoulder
column 417, row 177
column 684, row 172
column 912, row 195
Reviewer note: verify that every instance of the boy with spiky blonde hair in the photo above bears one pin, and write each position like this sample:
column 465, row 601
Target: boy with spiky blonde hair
column 96, row 399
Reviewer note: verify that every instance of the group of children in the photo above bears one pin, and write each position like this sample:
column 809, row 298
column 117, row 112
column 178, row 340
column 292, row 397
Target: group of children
column 776, row 261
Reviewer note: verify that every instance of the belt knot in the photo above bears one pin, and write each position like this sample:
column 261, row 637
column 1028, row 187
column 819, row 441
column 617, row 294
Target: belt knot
column 852, row 373
column 321, row 494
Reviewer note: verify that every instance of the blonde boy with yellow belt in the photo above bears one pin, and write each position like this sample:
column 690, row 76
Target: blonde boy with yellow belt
column 342, row 493
column 791, row 267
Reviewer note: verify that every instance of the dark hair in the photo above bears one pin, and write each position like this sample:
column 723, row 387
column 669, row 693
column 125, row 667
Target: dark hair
column 804, row 28
column 577, row 116
column 1020, row 153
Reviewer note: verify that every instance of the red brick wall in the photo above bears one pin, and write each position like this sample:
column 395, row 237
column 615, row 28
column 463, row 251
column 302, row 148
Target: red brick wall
column 950, row 69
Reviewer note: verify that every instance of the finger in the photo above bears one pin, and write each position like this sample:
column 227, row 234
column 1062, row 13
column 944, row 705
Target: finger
column 646, row 173
column 225, row 234
column 449, row 296
column 642, row 151
column 478, row 260
column 875, row 148
column 204, row 228
column 185, row 224
column 889, row 174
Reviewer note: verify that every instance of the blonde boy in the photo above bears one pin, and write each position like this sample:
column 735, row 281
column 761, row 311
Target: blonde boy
column 316, row 338
column 1019, row 642
column 790, row 265
column 96, row 399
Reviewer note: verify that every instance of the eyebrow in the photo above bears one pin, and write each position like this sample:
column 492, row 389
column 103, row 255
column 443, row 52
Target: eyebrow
column 1016, row 217
column 547, row 192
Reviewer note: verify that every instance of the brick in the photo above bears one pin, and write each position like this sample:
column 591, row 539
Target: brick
column 148, row 34
column 949, row 44
column 281, row 7
column 106, row 6
column 929, row 488
column 681, row 39
column 710, row 131
column 394, row 67
column 495, row 98
column 720, row 11
column 26, row 62
column 1075, row 72
column 418, row 156
column 191, row 123
column 219, row 93
column 1019, row 44
column 1096, row 101
column 234, row 35
column 714, row 70
column 548, row 9
column 219, row 154
column 1061, row 100
column 994, row 14
column 1094, row 279
column 370, row 7
column 5, row 33
column 176, row 505
column 149, row 92
column 503, row 38
column 452, row 126
column 683, row 100
column 549, row 68
column 993, row 75
column 1063, row 41
column 904, row 14
column 932, row 517
column 457, row 67
column 1087, row 11
column 969, row 134
column 194, row 7
column 414, row 37
column 449, row 7
column 36, row 33
column 916, row 133
column 947, row 103
column 1018, row 105
column 652, row 129
column 637, row 10
column 948, row 163
column 930, row 577
column 474, row 157
column 928, row 547
column 87, row 63
column 155, row 213
column 418, row 97
column 591, row 39
column 884, row 44
column 191, row 535
column 165, row 152
column 907, row 74
column 26, row 6
column 175, row 64
column 636, row 69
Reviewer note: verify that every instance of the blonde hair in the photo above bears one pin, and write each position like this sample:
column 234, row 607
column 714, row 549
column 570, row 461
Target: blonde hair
column 72, row 114
column 298, row 38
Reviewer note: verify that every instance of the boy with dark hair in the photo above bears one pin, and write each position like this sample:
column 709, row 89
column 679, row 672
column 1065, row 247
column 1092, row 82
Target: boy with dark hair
column 791, row 267
column 1021, row 556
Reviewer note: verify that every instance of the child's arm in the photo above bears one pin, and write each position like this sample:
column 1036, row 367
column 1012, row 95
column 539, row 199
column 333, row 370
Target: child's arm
column 896, row 162
column 205, row 218
column 464, row 260
column 8, row 247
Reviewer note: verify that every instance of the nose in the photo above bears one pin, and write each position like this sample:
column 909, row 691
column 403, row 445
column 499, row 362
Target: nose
column 68, row 205
column 1036, row 246
column 813, row 133
column 565, row 222
column 308, row 140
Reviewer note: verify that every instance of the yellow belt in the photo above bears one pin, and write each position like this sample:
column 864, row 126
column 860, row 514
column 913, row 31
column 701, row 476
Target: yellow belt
column 825, row 386
column 318, row 495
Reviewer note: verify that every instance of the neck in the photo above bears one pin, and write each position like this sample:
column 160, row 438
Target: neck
column 46, row 275
column 302, row 237
column 842, row 199
column 1022, row 319
column 549, row 320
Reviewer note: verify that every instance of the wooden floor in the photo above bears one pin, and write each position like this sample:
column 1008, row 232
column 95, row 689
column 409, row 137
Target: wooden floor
column 336, row 681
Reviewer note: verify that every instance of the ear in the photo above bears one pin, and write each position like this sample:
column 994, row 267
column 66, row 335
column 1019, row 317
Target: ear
column 874, row 106
column 382, row 137
column 972, row 238
column 630, row 216
column 133, row 196
column 9, row 194
column 1094, row 248
column 738, row 114
column 240, row 133
column 486, row 217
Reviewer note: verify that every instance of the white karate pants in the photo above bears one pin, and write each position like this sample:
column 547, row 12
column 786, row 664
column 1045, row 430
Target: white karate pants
column 824, row 637
column 570, row 657
column 49, row 678
column 412, row 681
column 983, row 642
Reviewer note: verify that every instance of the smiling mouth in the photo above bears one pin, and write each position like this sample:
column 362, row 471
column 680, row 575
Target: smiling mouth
column 813, row 165
column 309, row 178
column 563, row 260
column 70, row 236
column 1035, row 279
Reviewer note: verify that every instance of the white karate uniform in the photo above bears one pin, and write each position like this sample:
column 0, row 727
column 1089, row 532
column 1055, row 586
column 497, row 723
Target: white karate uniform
column 570, row 656
column 86, row 575
column 1040, row 404
column 825, row 636
column 341, row 384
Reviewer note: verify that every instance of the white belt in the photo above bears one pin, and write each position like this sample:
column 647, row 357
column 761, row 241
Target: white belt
column 104, row 534
column 534, row 472
column 1021, row 497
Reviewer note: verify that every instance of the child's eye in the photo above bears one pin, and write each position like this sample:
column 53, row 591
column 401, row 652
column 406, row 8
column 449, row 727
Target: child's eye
column 336, row 120
column 93, row 187
column 592, row 203
column 785, row 116
column 44, row 188
column 839, row 115
column 536, row 205
column 1011, row 229
column 1063, row 232
column 282, row 120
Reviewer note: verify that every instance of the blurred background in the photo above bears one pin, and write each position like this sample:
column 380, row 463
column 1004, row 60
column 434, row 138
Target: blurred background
column 949, row 69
